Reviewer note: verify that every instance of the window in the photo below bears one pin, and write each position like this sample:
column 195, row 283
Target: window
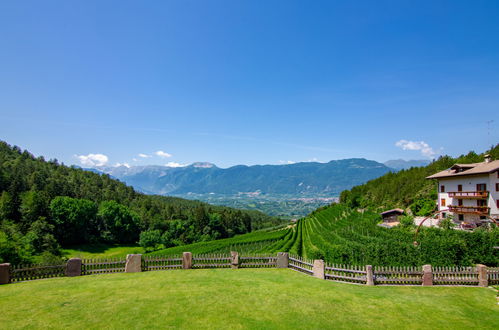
column 481, row 202
column 442, row 188
column 444, row 214
column 460, row 202
column 497, row 203
column 481, row 187
column 442, row 202
column 461, row 217
column 482, row 217
column 459, row 187
column 497, row 186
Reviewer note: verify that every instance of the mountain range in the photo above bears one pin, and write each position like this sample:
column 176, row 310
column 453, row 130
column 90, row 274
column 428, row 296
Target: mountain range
column 400, row 164
column 299, row 179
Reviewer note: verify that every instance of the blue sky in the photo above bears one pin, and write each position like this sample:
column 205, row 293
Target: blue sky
column 248, row 82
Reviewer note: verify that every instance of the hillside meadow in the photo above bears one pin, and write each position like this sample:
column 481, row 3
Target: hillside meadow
column 244, row 298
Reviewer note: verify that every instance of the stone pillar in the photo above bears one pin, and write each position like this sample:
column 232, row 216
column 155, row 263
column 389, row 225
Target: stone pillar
column 234, row 260
column 369, row 275
column 318, row 268
column 282, row 260
column 4, row 273
column 133, row 263
column 73, row 267
column 482, row 275
column 187, row 260
column 427, row 275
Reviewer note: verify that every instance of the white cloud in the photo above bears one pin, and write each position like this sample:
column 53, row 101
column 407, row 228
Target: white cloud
column 135, row 159
column 93, row 159
column 144, row 155
column 122, row 164
column 287, row 162
column 174, row 164
column 422, row 146
column 162, row 154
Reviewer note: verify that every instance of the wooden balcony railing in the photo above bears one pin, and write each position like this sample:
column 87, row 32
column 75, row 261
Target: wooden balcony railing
column 469, row 194
column 480, row 210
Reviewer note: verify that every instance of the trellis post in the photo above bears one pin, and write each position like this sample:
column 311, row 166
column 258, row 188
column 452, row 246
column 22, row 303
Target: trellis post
column 318, row 268
column 187, row 260
column 4, row 273
column 282, row 260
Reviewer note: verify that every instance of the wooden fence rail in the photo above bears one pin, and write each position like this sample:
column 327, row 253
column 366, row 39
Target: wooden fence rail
column 479, row 275
column 455, row 276
column 346, row 273
column 300, row 264
column 398, row 275
column 34, row 272
column 102, row 266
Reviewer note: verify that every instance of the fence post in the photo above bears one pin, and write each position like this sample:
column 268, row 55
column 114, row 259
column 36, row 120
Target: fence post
column 282, row 260
column 318, row 268
column 234, row 260
column 482, row 275
column 369, row 275
column 133, row 263
column 4, row 273
column 73, row 267
column 427, row 275
column 187, row 260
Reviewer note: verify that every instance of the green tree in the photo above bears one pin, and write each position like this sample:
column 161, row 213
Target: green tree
column 120, row 223
column 73, row 219
column 150, row 240
column 6, row 206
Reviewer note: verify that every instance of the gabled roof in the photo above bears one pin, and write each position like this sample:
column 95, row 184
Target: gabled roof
column 467, row 169
column 393, row 211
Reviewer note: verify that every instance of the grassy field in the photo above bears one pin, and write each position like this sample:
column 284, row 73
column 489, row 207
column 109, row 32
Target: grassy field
column 244, row 298
column 101, row 251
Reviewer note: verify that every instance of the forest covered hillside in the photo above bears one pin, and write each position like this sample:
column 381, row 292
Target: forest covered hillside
column 44, row 204
column 407, row 188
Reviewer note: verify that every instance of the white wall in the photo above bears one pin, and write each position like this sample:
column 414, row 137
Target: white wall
column 469, row 184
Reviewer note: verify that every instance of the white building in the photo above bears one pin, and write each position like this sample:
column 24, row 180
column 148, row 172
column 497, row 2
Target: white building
column 469, row 192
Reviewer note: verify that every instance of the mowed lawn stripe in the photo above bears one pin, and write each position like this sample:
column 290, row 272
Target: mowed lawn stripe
column 243, row 298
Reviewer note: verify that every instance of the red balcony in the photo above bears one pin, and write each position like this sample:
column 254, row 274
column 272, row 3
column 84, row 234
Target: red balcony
column 480, row 210
column 469, row 194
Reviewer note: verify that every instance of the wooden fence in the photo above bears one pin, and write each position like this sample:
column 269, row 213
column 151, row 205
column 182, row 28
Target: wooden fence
column 150, row 263
column 398, row 275
column 427, row 275
column 345, row 273
column 493, row 276
column 257, row 261
column 102, row 266
column 34, row 272
column 455, row 276
column 302, row 265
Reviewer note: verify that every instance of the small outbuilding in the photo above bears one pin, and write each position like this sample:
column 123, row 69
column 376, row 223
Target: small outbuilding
column 392, row 215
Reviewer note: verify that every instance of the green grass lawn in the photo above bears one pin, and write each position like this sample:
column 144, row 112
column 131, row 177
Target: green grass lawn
column 243, row 298
column 101, row 251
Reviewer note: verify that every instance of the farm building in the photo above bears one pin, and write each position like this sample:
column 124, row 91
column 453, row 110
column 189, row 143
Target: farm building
column 392, row 215
column 469, row 192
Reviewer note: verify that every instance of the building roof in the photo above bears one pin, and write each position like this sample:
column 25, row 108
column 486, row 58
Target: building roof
column 392, row 211
column 467, row 169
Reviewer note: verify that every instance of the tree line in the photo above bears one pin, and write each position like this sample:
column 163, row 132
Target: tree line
column 45, row 205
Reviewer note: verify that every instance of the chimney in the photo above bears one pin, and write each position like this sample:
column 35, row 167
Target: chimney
column 487, row 158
